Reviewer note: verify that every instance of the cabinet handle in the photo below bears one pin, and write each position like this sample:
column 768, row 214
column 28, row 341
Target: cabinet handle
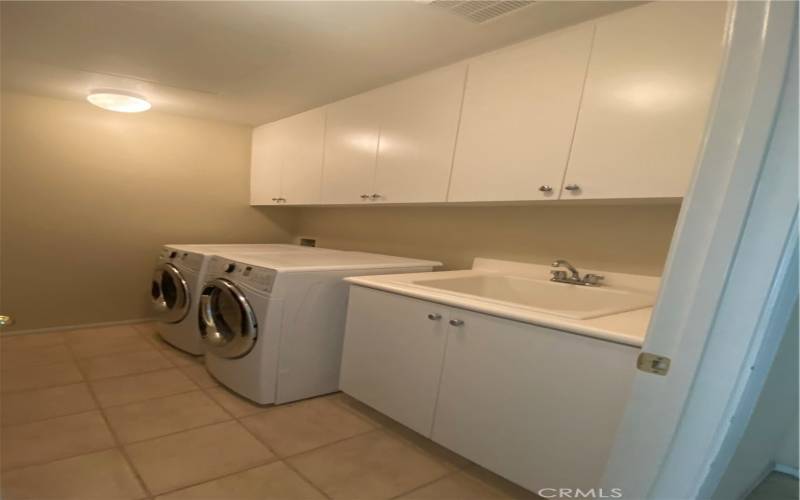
column 434, row 316
column 364, row 196
column 456, row 322
column 572, row 187
column 545, row 188
column 375, row 196
column 275, row 199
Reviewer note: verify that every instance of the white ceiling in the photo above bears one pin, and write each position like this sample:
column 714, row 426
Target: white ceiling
column 249, row 62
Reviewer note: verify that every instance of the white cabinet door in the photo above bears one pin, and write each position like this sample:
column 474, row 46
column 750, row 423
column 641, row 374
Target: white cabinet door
column 648, row 92
column 393, row 351
column 418, row 125
column 351, row 148
column 265, row 165
column 537, row 406
column 520, row 107
column 302, row 157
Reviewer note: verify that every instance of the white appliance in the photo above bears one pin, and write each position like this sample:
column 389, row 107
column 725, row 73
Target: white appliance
column 273, row 325
column 178, row 279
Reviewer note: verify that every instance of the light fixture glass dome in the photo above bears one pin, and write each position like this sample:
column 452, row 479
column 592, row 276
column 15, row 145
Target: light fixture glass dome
column 114, row 100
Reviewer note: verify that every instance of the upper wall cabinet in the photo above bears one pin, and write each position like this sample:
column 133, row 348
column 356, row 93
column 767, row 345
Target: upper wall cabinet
column 519, row 113
column 351, row 147
column 419, row 122
column 648, row 93
column 394, row 144
column 286, row 164
column 266, row 164
column 612, row 108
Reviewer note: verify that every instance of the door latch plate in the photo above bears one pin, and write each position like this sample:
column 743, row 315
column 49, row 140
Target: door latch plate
column 653, row 363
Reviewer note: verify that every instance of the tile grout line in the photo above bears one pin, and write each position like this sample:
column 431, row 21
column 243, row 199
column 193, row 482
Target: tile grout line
column 274, row 460
column 305, row 478
column 83, row 382
column 169, row 434
column 275, row 453
column 119, row 446
column 44, row 420
column 424, row 485
column 117, row 405
column 48, row 462
column 377, row 425
column 77, row 363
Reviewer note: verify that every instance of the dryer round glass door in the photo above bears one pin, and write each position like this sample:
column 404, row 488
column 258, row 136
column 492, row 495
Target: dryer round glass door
column 227, row 322
column 170, row 293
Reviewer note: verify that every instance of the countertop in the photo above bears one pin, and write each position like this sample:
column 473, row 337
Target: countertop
column 628, row 328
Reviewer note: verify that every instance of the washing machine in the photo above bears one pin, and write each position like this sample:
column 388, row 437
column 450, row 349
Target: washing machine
column 176, row 284
column 273, row 325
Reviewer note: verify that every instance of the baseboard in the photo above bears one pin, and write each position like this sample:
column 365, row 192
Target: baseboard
column 74, row 327
column 786, row 469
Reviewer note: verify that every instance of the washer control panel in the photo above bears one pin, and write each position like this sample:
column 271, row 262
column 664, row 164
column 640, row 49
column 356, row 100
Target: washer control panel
column 189, row 260
column 257, row 277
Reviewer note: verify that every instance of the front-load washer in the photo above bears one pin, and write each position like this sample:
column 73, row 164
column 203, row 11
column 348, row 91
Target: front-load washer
column 273, row 325
column 177, row 281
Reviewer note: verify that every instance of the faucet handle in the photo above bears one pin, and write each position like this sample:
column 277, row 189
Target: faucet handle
column 593, row 279
column 558, row 275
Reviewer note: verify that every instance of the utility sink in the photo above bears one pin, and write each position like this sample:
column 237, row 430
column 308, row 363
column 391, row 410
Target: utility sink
column 560, row 299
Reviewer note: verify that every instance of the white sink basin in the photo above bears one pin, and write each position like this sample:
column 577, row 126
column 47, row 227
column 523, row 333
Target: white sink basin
column 560, row 299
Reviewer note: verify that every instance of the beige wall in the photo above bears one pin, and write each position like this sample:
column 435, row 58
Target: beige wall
column 89, row 195
column 632, row 238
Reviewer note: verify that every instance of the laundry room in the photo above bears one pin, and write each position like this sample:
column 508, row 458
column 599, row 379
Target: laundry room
column 423, row 249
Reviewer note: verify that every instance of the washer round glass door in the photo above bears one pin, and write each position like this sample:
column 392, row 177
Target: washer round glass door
column 170, row 293
column 227, row 322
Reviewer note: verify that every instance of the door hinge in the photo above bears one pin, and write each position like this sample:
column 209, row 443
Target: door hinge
column 653, row 363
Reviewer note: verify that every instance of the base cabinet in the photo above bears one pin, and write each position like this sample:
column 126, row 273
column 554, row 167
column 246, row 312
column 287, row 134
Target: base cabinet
column 393, row 350
column 537, row 406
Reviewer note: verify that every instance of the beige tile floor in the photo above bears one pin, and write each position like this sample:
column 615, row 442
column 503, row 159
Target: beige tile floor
column 116, row 413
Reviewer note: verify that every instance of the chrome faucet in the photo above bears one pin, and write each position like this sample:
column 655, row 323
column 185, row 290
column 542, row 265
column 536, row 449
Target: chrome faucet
column 574, row 277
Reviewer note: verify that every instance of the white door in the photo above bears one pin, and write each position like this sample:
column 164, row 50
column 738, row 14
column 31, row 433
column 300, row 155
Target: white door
column 265, row 165
column 719, row 278
column 351, row 148
column 648, row 94
column 419, row 120
column 302, row 160
column 519, row 113
column 393, row 351
column 535, row 405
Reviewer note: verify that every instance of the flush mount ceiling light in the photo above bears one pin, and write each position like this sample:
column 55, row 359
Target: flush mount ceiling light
column 114, row 100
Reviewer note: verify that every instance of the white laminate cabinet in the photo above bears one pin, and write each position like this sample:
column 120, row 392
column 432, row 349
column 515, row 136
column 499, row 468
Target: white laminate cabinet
column 535, row 405
column 418, row 125
column 266, row 163
column 351, row 149
column 518, row 117
column 394, row 144
column 301, row 175
column 393, row 350
column 286, row 163
column 648, row 93
column 613, row 108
